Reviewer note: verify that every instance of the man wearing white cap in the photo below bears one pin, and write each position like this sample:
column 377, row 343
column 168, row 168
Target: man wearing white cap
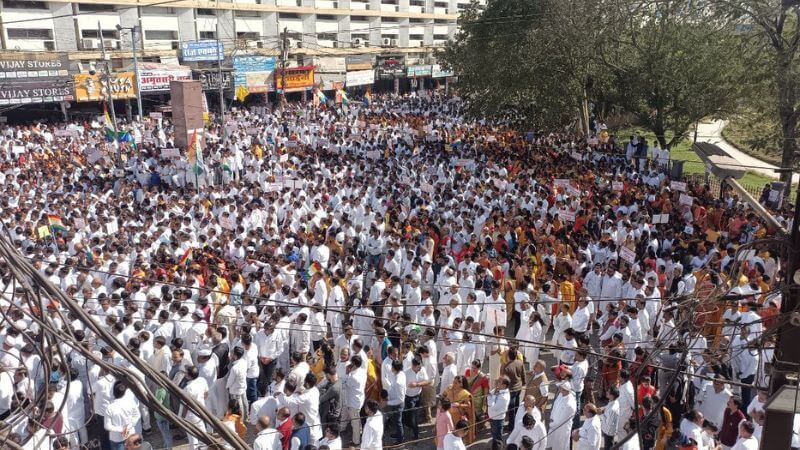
column 564, row 408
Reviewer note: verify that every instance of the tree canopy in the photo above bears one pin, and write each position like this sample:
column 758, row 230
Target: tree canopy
column 666, row 62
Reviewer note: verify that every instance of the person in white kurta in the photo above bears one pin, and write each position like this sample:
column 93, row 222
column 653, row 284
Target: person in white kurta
column 372, row 437
column 563, row 411
column 590, row 434
column 713, row 401
column 197, row 388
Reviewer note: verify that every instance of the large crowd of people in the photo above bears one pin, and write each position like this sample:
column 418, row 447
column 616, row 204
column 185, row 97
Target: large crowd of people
column 386, row 274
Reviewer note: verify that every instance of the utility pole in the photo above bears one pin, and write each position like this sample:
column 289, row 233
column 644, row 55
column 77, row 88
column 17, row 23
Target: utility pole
column 109, row 95
column 284, row 56
column 220, row 58
column 778, row 426
column 134, row 30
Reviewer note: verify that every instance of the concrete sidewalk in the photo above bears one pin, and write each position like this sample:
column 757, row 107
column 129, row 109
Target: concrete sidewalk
column 711, row 132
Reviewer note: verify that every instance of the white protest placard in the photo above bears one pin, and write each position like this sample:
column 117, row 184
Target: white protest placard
column 283, row 158
column 617, row 185
column 572, row 190
column 463, row 162
column 18, row 149
column 569, row 216
column 374, row 154
column 561, row 182
column 627, row 254
column 660, row 218
column 678, row 186
column 94, row 156
column 79, row 223
column 426, row 187
column 291, row 144
column 227, row 223
column 273, row 187
column 170, row 153
column 491, row 139
column 112, row 227
column 156, row 115
column 686, row 200
column 66, row 133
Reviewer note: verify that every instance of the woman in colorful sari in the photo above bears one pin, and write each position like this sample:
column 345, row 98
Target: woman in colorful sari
column 462, row 406
column 478, row 387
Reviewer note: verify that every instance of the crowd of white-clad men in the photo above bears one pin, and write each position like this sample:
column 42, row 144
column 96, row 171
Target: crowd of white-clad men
column 366, row 270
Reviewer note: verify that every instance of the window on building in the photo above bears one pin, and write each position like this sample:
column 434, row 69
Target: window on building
column 248, row 14
column 30, row 33
column 206, row 12
column 440, row 21
column 328, row 17
column 440, row 37
column 95, row 7
column 248, row 35
column 416, row 37
column 92, row 34
column 440, row 4
column 157, row 11
column 359, row 19
column 389, row 19
column 288, row 16
column 22, row 4
column 389, row 2
column 363, row 37
column 417, row 3
column 208, row 35
column 160, row 35
column 416, row 20
column 326, row 36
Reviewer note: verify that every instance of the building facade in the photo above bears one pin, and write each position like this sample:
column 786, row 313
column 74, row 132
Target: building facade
column 316, row 25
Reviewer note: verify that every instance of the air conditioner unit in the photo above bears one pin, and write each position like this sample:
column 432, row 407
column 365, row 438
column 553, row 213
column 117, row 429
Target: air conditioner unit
column 358, row 42
column 111, row 44
column 90, row 44
column 386, row 42
column 252, row 44
column 394, row 43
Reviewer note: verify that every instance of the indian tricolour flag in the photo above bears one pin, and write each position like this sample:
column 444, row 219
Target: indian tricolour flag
column 54, row 220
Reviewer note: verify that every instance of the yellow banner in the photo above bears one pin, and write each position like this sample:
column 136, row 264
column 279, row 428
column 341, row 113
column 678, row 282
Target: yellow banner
column 92, row 88
column 296, row 79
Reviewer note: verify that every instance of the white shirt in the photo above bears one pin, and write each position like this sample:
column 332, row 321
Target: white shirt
column 269, row 439
column 237, row 377
column 590, row 434
column 198, row 390
column 121, row 417
column 397, row 388
column 353, row 386
column 372, row 436
column 746, row 444
column 498, row 404
column 453, row 442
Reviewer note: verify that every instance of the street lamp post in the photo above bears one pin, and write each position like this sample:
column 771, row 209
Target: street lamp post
column 134, row 31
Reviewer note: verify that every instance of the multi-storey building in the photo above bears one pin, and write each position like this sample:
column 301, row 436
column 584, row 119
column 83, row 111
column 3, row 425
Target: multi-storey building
column 63, row 26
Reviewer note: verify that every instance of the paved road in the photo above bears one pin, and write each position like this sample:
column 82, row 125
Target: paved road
column 711, row 132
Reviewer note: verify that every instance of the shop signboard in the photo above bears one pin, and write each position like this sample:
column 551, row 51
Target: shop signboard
column 360, row 78
column 207, row 50
column 297, row 79
column 29, row 69
column 254, row 72
column 92, row 88
column 23, row 92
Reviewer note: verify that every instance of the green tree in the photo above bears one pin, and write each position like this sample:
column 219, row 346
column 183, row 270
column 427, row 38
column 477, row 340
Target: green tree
column 772, row 43
column 663, row 61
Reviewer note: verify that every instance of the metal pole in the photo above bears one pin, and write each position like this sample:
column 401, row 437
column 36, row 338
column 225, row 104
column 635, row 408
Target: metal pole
column 134, row 31
column 284, row 55
column 220, row 58
column 109, row 96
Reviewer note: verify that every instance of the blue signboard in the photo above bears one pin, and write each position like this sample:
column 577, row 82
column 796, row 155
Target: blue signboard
column 254, row 72
column 202, row 50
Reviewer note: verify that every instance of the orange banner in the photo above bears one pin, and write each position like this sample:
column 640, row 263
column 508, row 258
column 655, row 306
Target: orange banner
column 297, row 79
column 92, row 88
